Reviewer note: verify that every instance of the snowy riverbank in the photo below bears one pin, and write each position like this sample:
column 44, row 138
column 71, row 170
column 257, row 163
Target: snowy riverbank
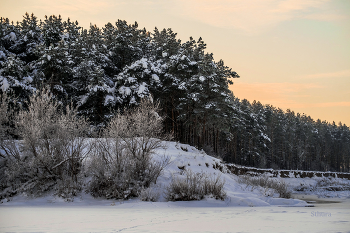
column 243, row 210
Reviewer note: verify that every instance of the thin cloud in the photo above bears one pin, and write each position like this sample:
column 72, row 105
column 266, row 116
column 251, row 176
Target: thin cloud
column 332, row 104
column 327, row 17
column 338, row 74
column 73, row 7
column 297, row 5
column 254, row 16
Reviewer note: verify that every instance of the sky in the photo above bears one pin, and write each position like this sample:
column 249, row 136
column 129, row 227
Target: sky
column 292, row 54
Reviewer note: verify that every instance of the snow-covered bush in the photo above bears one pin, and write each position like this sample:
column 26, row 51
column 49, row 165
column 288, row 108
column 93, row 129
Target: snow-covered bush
column 268, row 185
column 122, row 164
column 52, row 148
column 332, row 184
column 195, row 186
column 324, row 187
column 149, row 194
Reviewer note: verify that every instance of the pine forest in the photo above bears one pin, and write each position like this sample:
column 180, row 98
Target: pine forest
column 102, row 71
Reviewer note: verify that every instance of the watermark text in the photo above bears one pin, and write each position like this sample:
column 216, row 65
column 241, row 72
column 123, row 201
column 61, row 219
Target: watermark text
column 320, row 214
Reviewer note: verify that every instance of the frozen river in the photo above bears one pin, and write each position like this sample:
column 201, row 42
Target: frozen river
column 176, row 217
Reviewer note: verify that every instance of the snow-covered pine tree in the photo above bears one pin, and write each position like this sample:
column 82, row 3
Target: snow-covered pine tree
column 55, row 57
column 30, row 37
column 15, row 81
column 8, row 37
column 165, row 50
column 52, row 29
column 207, row 105
column 93, row 85
column 123, row 44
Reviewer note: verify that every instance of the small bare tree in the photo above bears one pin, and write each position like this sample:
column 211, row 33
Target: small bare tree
column 53, row 145
column 123, row 164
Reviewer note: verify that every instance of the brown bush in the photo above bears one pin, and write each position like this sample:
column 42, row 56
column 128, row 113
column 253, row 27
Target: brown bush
column 195, row 186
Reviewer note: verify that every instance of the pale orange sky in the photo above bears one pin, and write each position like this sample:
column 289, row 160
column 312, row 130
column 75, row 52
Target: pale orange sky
column 289, row 53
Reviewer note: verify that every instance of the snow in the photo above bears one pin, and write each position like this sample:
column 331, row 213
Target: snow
column 155, row 77
column 83, row 99
column 142, row 89
column 320, row 187
column 28, row 79
column 265, row 137
column 109, row 99
column 12, row 36
column 124, row 90
column 5, row 85
column 132, row 101
column 142, row 62
column 131, row 79
column 111, row 216
column 2, row 55
column 182, row 86
column 242, row 210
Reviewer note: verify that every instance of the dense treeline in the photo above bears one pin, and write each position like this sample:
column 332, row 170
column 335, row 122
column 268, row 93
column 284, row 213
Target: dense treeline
column 103, row 70
column 267, row 137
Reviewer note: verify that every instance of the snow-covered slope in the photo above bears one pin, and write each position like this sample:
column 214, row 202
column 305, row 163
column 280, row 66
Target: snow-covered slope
column 182, row 158
column 189, row 158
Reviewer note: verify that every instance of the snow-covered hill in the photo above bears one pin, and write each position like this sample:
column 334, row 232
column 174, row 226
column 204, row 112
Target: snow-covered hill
column 182, row 158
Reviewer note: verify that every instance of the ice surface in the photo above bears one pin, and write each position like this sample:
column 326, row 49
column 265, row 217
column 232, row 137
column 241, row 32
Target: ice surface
column 172, row 217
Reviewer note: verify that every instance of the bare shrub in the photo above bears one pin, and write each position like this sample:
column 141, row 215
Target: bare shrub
column 282, row 189
column 266, row 184
column 195, row 186
column 122, row 164
column 214, row 186
column 53, row 146
column 149, row 194
column 332, row 184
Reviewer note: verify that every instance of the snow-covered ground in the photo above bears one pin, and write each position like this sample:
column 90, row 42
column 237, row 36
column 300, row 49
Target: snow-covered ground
column 243, row 210
column 173, row 217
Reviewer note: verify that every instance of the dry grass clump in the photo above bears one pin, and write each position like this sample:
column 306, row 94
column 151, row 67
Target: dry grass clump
column 195, row 186
column 267, row 184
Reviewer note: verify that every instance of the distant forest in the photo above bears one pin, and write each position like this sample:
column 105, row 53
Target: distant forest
column 105, row 70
